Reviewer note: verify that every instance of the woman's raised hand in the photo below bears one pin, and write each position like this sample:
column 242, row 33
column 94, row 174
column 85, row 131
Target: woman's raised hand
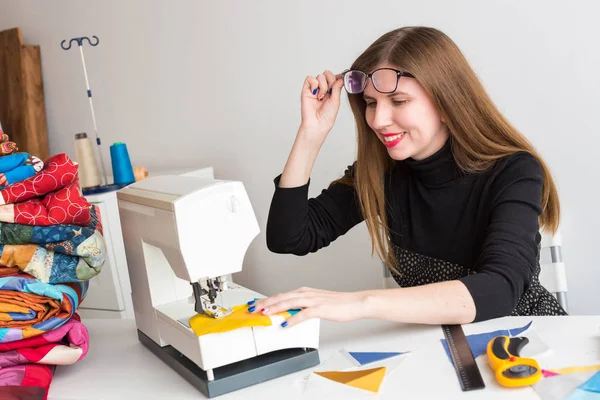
column 320, row 102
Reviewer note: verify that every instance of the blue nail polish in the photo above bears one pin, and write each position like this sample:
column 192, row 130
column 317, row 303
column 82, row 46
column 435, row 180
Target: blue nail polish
column 284, row 324
column 251, row 302
column 251, row 309
column 315, row 91
column 330, row 90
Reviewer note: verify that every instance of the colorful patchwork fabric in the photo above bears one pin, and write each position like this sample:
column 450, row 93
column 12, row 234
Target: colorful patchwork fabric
column 31, row 362
column 3, row 136
column 8, row 163
column 30, row 308
column 65, row 206
column 35, row 381
column 8, row 148
column 240, row 318
column 34, row 162
column 58, row 172
column 64, row 345
column 17, row 167
column 51, row 234
column 16, row 175
column 77, row 259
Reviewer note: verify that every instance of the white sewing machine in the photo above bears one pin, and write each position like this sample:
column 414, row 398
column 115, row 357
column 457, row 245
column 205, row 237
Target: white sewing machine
column 183, row 235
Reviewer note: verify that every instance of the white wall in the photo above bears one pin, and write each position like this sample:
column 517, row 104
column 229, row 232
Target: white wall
column 219, row 82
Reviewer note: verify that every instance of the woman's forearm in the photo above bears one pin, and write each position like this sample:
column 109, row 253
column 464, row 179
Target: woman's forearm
column 300, row 161
column 437, row 303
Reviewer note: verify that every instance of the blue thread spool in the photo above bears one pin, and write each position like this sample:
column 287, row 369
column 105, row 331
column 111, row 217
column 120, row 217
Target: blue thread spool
column 121, row 164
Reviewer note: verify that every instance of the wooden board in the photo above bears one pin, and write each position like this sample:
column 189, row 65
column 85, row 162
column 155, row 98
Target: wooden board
column 22, row 107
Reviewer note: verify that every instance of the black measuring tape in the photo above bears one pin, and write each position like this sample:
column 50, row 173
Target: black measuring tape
column 464, row 362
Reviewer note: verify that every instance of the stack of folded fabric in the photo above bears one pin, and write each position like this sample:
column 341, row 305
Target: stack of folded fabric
column 51, row 244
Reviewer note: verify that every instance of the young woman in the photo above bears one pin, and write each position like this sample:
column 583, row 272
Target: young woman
column 453, row 195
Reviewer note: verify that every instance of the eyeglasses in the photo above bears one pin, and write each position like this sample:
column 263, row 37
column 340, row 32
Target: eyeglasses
column 385, row 80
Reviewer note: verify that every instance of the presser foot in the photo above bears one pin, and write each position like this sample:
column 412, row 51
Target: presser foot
column 205, row 297
column 216, row 311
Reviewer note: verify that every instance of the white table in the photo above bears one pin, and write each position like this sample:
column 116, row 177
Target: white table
column 119, row 367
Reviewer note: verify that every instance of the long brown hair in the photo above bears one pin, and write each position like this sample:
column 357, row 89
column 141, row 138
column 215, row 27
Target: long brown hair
column 480, row 133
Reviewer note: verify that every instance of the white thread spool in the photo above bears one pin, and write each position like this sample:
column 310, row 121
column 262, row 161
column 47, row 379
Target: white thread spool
column 89, row 175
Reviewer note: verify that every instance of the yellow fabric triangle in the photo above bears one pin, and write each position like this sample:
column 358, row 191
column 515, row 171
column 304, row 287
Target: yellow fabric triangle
column 574, row 370
column 240, row 317
column 30, row 332
column 367, row 379
column 370, row 382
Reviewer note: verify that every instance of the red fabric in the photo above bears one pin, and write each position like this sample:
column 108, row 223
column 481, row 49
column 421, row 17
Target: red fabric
column 38, row 375
column 65, row 206
column 38, row 353
column 58, row 172
column 36, row 348
column 62, row 346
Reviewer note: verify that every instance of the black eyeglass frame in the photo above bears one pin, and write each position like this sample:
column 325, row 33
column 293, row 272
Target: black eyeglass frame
column 399, row 74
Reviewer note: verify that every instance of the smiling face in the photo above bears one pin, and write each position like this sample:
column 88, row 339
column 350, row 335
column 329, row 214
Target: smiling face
column 407, row 121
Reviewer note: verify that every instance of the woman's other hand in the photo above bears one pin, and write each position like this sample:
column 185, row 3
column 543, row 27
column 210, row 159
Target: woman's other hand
column 313, row 303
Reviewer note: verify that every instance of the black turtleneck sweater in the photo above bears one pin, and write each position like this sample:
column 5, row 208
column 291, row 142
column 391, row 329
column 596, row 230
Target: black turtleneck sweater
column 486, row 222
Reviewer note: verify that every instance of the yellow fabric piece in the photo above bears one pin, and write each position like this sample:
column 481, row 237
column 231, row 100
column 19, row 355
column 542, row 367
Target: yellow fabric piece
column 367, row 379
column 573, row 370
column 6, row 308
column 240, row 317
column 30, row 332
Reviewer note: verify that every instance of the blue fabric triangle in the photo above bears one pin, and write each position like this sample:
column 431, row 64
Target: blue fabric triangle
column 592, row 384
column 369, row 357
column 478, row 342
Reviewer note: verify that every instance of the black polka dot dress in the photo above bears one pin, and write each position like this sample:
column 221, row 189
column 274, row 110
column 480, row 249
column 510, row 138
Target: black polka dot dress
column 416, row 270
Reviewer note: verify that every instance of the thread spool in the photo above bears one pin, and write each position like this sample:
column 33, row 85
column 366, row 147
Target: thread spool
column 121, row 164
column 89, row 174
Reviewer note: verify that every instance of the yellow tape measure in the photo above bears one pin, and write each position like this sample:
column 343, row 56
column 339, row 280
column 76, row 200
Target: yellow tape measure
column 510, row 369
